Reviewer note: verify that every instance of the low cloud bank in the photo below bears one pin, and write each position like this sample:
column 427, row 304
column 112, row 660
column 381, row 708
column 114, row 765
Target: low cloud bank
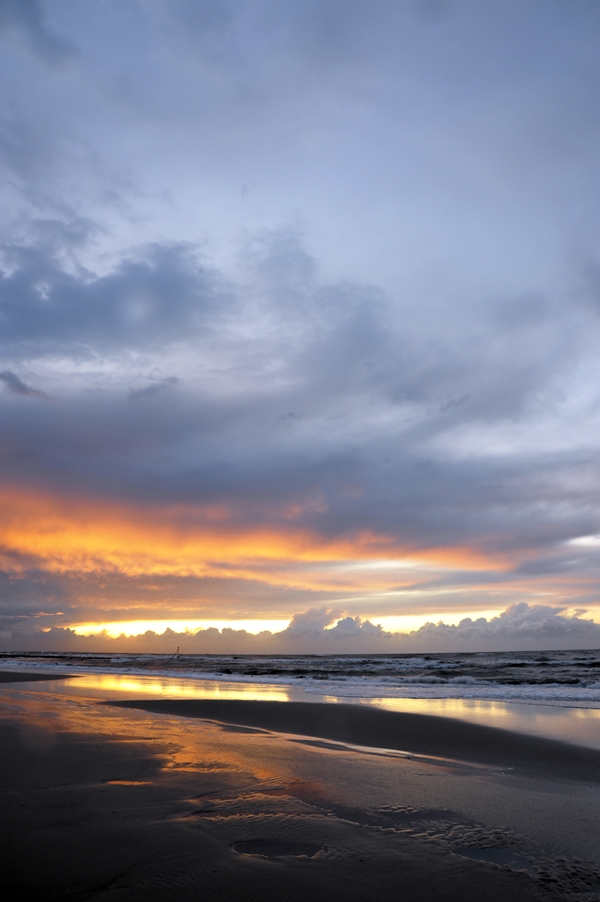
column 325, row 631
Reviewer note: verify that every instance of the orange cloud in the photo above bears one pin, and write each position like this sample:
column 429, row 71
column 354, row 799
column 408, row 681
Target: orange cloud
column 82, row 535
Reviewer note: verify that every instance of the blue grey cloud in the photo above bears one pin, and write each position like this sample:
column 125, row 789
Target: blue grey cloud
column 16, row 386
column 155, row 388
column 326, row 258
column 163, row 295
column 28, row 17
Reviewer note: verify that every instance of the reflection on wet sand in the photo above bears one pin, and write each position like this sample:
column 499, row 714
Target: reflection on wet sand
column 565, row 722
column 568, row 723
column 109, row 685
column 128, row 805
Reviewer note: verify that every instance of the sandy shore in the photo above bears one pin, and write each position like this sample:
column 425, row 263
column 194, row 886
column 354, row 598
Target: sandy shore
column 17, row 676
column 121, row 802
column 420, row 734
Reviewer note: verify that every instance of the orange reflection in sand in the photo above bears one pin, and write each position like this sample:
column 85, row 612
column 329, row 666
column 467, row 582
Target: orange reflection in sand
column 569, row 724
column 88, row 536
column 112, row 685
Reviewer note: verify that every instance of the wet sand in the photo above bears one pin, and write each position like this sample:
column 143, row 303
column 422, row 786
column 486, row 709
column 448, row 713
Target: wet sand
column 419, row 734
column 249, row 802
column 16, row 676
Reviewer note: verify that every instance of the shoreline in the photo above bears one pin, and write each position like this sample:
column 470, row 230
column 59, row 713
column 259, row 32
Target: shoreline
column 169, row 801
column 508, row 719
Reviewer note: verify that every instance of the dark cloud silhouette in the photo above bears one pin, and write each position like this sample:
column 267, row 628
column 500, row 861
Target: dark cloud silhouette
column 521, row 627
column 17, row 387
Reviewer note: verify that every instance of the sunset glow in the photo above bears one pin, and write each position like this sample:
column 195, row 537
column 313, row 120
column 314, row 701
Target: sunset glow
column 298, row 323
column 137, row 627
column 81, row 535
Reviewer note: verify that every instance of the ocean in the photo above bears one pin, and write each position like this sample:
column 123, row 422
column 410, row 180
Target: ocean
column 563, row 677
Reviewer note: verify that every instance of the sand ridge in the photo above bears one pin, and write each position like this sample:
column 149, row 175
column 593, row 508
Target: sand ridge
column 417, row 733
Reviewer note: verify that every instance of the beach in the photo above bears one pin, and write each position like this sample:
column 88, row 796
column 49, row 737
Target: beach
column 299, row 450
column 193, row 799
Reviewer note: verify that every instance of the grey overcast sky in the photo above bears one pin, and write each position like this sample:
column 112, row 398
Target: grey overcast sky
column 300, row 311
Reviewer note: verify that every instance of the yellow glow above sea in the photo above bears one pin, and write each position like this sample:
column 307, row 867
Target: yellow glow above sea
column 139, row 627
column 390, row 623
column 398, row 623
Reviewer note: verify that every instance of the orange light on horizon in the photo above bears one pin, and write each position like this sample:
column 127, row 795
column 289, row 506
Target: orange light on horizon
column 82, row 535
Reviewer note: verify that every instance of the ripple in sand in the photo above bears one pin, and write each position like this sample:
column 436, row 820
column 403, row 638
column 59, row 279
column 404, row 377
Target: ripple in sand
column 276, row 848
column 128, row 782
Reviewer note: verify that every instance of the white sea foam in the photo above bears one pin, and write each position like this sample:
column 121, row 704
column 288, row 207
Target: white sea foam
column 548, row 677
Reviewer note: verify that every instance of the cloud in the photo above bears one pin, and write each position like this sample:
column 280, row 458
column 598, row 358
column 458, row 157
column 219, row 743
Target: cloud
column 27, row 17
column 312, row 622
column 54, row 534
column 315, row 625
column 17, row 387
column 161, row 296
column 155, row 388
column 521, row 627
column 393, row 334
column 395, row 434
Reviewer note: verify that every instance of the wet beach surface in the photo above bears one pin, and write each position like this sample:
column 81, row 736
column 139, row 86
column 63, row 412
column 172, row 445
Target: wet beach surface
column 104, row 802
column 415, row 733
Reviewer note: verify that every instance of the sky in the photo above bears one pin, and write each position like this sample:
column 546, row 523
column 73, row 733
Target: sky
column 299, row 324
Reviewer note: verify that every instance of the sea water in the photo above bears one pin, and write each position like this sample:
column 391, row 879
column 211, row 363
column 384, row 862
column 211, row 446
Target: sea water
column 555, row 676
column 550, row 693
